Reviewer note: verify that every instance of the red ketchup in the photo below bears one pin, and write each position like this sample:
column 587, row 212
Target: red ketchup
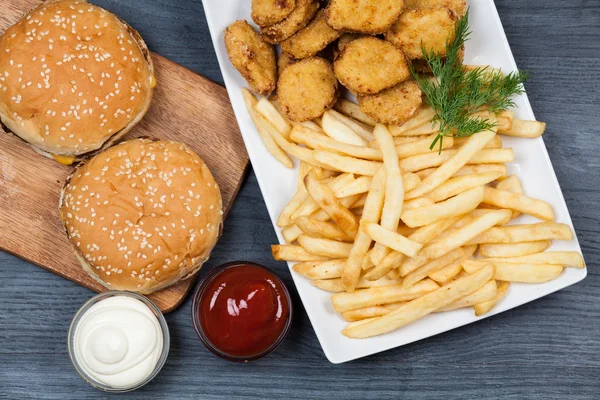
column 243, row 310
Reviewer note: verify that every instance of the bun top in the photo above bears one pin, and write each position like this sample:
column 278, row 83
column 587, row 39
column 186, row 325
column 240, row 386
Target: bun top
column 72, row 75
column 142, row 215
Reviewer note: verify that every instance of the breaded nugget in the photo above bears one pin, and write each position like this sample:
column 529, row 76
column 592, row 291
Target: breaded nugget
column 283, row 61
column 252, row 57
column 343, row 41
column 395, row 105
column 269, row 12
column 310, row 40
column 364, row 16
column 431, row 28
column 458, row 6
column 303, row 13
column 307, row 89
column 368, row 65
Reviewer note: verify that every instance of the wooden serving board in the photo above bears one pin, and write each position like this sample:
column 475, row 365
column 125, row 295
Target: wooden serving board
column 186, row 107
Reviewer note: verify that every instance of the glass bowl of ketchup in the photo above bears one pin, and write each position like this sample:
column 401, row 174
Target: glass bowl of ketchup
column 241, row 311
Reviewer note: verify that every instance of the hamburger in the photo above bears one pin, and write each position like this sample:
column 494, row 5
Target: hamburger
column 142, row 215
column 74, row 78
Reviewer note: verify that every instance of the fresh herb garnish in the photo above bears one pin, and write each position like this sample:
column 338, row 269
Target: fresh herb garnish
column 457, row 94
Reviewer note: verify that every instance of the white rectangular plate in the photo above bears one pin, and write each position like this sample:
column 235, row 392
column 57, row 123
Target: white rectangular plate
column 487, row 46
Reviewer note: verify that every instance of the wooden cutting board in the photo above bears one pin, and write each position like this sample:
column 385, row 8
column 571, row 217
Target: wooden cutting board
column 186, row 107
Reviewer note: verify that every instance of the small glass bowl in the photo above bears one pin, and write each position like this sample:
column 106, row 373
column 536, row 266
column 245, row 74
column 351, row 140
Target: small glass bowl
column 196, row 317
column 163, row 326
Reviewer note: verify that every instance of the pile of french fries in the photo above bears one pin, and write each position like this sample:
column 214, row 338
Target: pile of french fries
column 398, row 231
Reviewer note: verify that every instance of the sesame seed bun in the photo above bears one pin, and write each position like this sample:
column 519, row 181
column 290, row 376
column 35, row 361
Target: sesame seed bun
column 142, row 215
column 74, row 78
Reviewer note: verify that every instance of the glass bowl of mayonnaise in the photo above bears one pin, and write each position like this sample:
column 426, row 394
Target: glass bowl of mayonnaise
column 118, row 341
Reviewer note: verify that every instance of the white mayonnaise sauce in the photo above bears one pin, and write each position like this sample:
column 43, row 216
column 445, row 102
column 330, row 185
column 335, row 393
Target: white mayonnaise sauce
column 118, row 342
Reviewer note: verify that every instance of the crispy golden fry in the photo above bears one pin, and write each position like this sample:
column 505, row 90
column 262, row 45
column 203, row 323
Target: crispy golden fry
column 320, row 269
column 452, row 165
column 269, row 12
column 325, row 247
column 482, row 168
column 303, row 13
column 360, row 185
column 310, row 205
column 365, row 16
column 420, row 146
column 285, row 218
column 283, row 61
column 524, row 273
column 271, row 114
column 486, row 293
column 291, row 233
column 341, row 132
column 453, row 269
column 335, row 285
column 370, row 312
column 453, row 207
column 432, row 266
column 321, row 229
column 307, row 89
column 380, row 295
column 460, row 184
column 423, row 117
column 427, row 28
column 394, row 105
column 513, row 249
column 566, row 258
column 325, row 198
column 264, row 129
column 422, row 306
column 458, row 6
column 524, row 129
column 417, row 203
column 525, row 233
column 369, row 65
column 485, row 307
column 352, row 110
column 289, row 252
column 392, row 239
column 523, row 204
column 363, row 130
column 465, row 234
column 366, row 262
column 346, row 164
column 311, row 39
column 371, row 213
column 511, row 184
column 251, row 56
column 489, row 156
column 495, row 143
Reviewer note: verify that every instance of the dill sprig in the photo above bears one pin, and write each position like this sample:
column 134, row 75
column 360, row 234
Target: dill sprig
column 457, row 94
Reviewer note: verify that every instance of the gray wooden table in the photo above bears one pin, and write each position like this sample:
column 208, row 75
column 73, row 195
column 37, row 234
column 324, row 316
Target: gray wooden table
column 546, row 349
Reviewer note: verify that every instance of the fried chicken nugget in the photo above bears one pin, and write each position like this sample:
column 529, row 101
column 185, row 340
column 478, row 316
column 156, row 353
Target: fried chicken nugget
column 343, row 41
column 269, row 12
column 395, row 105
column 364, row 16
column 369, row 65
column 252, row 57
column 458, row 6
column 431, row 28
column 303, row 13
column 310, row 40
column 307, row 89
column 283, row 61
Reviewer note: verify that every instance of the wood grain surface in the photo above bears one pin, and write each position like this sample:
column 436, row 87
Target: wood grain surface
column 547, row 349
column 186, row 107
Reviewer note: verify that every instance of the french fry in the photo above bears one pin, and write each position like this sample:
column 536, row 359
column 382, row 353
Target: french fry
column 380, row 295
column 566, row 258
column 505, row 120
column 362, row 242
column 353, row 110
column 495, row 143
column 422, row 306
column 271, row 114
column 485, row 293
column 453, row 269
column 289, row 252
column 511, row 184
column 261, row 126
column 318, row 141
column 346, row 164
column 434, row 265
column 360, row 129
column 366, row 262
column 321, row 269
column 460, row 184
column 524, row 129
column 339, row 131
column 481, row 169
column 417, row 203
column 392, row 240
column 423, row 117
column 421, row 146
column 524, row 273
column 525, row 233
column 335, row 285
column 312, row 125
column 370, row 312
column 455, row 206
column 310, row 205
column 485, row 307
column 394, row 189
column 523, row 204
column 465, row 234
column 458, row 160
column 325, row 247
column 320, row 229
column 513, row 249
column 285, row 218
column 360, row 185
column 423, row 161
column 291, row 233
